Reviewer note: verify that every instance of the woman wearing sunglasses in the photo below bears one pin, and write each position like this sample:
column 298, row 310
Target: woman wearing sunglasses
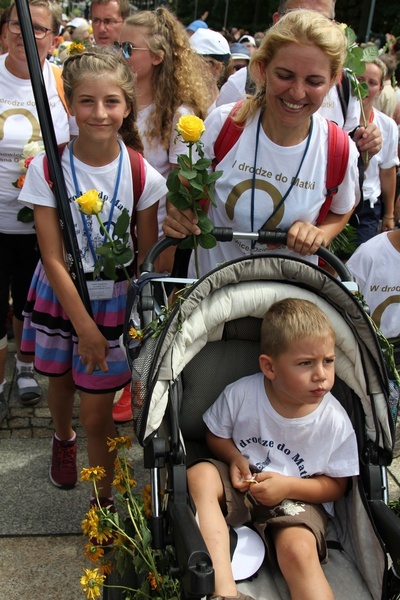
column 168, row 86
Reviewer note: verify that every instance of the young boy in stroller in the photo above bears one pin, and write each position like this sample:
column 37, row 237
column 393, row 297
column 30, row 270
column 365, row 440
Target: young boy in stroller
column 310, row 444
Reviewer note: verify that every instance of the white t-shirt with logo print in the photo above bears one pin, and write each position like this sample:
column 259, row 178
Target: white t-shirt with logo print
column 36, row 191
column 376, row 268
column 321, row 443
column 19, row 124
column 276, row 167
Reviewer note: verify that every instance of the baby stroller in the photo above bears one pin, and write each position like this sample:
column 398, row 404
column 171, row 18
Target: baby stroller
column 211, row 338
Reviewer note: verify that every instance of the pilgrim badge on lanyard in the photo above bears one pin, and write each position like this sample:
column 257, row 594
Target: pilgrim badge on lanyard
column 101, row 289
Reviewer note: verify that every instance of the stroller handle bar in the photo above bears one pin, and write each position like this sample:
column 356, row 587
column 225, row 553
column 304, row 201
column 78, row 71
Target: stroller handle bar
column 226, row 234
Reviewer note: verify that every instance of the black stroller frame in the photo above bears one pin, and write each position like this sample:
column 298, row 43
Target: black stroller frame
column 167, row 380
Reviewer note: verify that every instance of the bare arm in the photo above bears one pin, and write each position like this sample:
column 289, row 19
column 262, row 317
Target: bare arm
column 147, row 231
column 92, row 346
column 226, row 451
column 306, row 238
column 388, row 188
column 272, row 488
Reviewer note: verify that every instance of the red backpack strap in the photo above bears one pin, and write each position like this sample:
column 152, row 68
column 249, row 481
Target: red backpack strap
column 138, row 181
column 228, row 136
column 338, row 158
column 46, row 171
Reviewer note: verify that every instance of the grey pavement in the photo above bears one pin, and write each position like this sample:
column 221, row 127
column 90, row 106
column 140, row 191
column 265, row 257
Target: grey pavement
column 41, row 546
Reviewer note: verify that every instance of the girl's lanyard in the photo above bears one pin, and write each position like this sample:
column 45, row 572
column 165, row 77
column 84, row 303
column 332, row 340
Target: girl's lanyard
column 253, row 185
column 113, row 201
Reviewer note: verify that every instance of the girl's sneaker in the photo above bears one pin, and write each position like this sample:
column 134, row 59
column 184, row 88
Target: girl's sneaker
column 63, row 471
column 122, row 410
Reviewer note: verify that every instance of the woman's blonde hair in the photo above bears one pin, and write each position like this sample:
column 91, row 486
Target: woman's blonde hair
column 177, row 79
column 303, row 28
column 291, row 320
column 96, row 63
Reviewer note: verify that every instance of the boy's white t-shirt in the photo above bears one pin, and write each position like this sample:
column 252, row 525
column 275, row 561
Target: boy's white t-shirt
column 36, row 191
column 321, row 443
column 20, row 125
column 376, row 268
column 384, row 159
column 276, row 166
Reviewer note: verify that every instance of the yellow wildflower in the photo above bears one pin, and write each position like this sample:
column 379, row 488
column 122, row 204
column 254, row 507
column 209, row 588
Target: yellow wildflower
column 94, row 552
column 90, row 203
column 76, row 48
column 93, row 474
column 146, row 495
column 135, row 334
column 91, row 583
column 153, row 581
column 106, row 567
column 91, row 523
column 191, row 128
column 117, row 443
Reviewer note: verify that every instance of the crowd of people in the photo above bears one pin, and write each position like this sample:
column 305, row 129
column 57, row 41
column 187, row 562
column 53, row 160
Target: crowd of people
column 127, row 79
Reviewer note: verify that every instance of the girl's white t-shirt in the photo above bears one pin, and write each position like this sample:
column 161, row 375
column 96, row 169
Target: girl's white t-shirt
column 321, row 443
column 36, row 191
column 275, row 168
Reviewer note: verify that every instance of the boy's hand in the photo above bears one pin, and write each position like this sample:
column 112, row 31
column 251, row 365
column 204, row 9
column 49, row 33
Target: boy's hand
column 271, row 488
column 240, row 472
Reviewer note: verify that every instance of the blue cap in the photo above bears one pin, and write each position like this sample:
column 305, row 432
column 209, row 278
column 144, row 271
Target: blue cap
column 199, row 24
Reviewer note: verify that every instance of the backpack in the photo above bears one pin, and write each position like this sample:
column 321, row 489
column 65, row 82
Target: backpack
column 338, row 154
column 138, row 180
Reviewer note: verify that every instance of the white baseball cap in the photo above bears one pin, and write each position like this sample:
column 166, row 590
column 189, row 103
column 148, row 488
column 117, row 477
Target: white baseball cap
column 208, row 42
column 77, row 22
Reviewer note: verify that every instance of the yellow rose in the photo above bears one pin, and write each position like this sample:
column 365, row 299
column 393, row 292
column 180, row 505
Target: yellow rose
column 90, row 203
column 190, row 128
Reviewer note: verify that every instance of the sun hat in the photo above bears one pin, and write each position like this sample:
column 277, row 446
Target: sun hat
column 240, row 51
column 199, row 24
column 249, row 39
column 208, row 42
column 76, row 22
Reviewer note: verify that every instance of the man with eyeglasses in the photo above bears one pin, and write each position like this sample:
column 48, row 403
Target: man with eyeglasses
column 19, row 125
column 107, row 19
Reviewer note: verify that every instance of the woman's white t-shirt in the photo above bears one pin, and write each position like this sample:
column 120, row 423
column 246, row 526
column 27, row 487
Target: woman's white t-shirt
column 275, row 168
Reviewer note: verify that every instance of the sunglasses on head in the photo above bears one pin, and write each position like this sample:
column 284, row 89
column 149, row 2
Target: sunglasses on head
column 126, row 48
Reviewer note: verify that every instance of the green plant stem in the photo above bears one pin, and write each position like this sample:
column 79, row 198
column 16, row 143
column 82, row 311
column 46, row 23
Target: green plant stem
column 195, row 241
column 101, row 224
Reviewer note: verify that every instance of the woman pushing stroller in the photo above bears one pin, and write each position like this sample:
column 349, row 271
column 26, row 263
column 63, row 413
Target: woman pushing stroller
column 274, row 176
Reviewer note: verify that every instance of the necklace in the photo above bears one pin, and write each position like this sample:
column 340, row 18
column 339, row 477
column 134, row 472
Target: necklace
column 113, row 201
column 253, row 184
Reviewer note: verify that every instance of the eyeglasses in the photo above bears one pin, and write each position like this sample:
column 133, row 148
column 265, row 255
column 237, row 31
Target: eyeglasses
column 106, row 22
column 38, row 31
column 127, row 48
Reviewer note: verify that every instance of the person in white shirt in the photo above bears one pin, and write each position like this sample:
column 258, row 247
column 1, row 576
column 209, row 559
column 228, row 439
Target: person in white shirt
column 283, row 468
column 368, row 138
column 274, row 176
column 19, row 125
column 379, row 186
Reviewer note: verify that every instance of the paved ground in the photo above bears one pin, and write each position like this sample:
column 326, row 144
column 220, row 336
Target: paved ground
column 41, row 547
